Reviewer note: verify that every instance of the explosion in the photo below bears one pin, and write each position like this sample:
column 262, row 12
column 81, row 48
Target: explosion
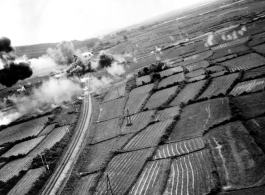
column 51, row 92
column 63, row 53
column 11, row 71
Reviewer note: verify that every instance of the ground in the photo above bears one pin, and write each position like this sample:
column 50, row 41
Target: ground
column 199, row 128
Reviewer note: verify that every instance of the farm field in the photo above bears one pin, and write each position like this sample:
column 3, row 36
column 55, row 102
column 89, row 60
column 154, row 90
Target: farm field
column 152, row 179
column 171, row 71
column 99, row 154
column 23, row 130
column 231, row 176
column 219, row 85
column 148, row 137
column 143, row 80
column 251, row 105
column 209, row 138
column 122, row 171
column 179, row 148
column 198, row 65
column 248, row 86
column 24, row 147
column 116, row 92
column 106, row 130
column 245, row 62
column 193, row 123
column 256, row 127
column 167, row 113
column 111, row 109
column 174, row 79
column 138, row 122
column 253, row 73
column 25, row 184
column 137, row 97
column 198, row 133
column 160, row 97
column 188, row 93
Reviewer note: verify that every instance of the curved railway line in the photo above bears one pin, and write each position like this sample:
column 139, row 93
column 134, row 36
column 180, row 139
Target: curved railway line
column 58, row 177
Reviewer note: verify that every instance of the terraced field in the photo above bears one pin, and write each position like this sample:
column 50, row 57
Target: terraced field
column 137, row 122
column 122, row 171
column 86, row 184
column 189, row 92
column 13, row 168
column 99, row 154
column 198, row 65
column 171, row 71
column 160, row 97
column 193, row 123
column 168, row 113
column 25, row 184
column 137, row 97
column 208, row 137
column 111, row 109
column 106, row 130
column 245, row 62
column 152, row 179
column 115, row 93
column 248, row 86
column 191, row 174
column 253, row 73
column 149, row 137
column 171, row 80
column 143, row 80
column 179, row 148
column 252, row 105
column 23, row 130
column 227, row 143
column 219, row 85
column 195, row 73
column 24, row 147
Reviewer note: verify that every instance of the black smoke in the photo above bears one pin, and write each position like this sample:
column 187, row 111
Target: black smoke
column 5, row 45
column 105, row 60
column 14, row 72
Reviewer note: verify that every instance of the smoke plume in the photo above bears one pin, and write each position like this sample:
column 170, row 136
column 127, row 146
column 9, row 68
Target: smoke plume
column 114, row 64
column 97, row 84
column 10, row 71
column 14, row 72
column 63, row 53
column 116, row 69
column 51, row 92
column 5, row 45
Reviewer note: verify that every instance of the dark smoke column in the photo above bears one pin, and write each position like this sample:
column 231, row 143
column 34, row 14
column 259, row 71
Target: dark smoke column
column 11, row 72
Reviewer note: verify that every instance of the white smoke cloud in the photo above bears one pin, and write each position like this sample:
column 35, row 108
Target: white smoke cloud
column 235, row 34
column 210, row 40
column 117, row 66
column 50, row 93
column 97, row 84
column 116, row 69
column 6, row 118
column 1, row 64
column 62, row 53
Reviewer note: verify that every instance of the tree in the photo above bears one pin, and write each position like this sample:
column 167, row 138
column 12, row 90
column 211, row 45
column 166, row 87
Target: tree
column 125, row 38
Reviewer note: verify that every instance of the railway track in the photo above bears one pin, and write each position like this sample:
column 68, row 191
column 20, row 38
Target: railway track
column 58, row 177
